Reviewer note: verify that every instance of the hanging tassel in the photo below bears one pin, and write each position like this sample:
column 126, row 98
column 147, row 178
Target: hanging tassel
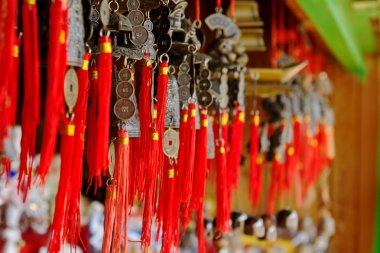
column 13, row 83
column 255, row 162
column 8, row 24
column 54, row 106
column 74, row 224
column 236, row 144
column 109, row 214
column 168, row 208
column 31, row 104
column 92, row 127
column 60, row 218
column 188, row 170
column 162, row 90
column 145, row 119
column 222, row 191
column 150, row 187
column 103, row 106
column 199, row 185
column 290, row 166
column 274, row 187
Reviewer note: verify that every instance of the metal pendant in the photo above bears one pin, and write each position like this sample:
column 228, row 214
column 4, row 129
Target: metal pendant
column 124, row 109
column 210, row 140
column 125, row 75
column 172, row 116
column 104, row 13
column 136, row 17
column 183, row 79
column 171, row 143
column 139, row 35
column 71, row 89
column 205, row 98
column 112, row 159
column 75, row 38
column 133, row 5
column 125, row 89
column 218, row 21
column 164, row 43
column 184, row 94
column 148, row 24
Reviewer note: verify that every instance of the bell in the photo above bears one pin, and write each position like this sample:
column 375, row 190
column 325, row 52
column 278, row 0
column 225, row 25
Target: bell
column 254, row 226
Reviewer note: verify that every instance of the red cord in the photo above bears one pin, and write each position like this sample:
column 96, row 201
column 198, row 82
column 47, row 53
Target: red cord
column 232, row 8
column 197, row 10
column 219, row 4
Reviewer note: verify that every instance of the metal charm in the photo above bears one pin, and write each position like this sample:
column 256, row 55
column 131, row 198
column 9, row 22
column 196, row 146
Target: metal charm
column 183, row 79
column 184, row 67
column 218, row 21
column 136, row 17
column 151, row 39
column 172, row 115
column 164, row 42
column 204, row 84
column 184, row 93
column 104, row 13
column 148, row 25
column 125, row 89
column 133, row 5
column 223, row 89
column 139, row 35
column 94, row 15
column 205, row 98
column 71, row 89
column 125, row 75
column 75, row 38
column 124, row 109
column 111, row 158
column 171, row 143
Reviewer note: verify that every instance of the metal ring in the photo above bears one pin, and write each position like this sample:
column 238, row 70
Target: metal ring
column 197, row 24
column 117, row 4
column 110, row 181
column 171, row 69
column 192, row 48
column 162, row 57
column 192, row 99
column 154, row 65
column 165, row 2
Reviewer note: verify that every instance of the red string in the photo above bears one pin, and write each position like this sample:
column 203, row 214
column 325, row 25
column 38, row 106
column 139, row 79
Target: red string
column 232, row 8
column 197, row 10
column 219, row 4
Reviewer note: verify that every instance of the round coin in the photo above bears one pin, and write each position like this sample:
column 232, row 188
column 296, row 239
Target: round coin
column 136, row 17
column 204, row 84
column 125, row 89
column 171, row 143
column 184, row 67
column 184, row 93
column 205, row 73
column 164, row 25
column 133, row 5
column 183, row 79
column 125, row 75
column 148, row 25
column 124, row 109
column 139, row 35
column 205, row 98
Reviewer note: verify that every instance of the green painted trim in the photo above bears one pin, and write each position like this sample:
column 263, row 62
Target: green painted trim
column 332, row 22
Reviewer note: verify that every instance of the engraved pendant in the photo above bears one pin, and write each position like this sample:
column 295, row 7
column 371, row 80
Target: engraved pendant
column 171, row 143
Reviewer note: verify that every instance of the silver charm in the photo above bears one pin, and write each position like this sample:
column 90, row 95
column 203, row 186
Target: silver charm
column 94, row 15
column 148, row 25
column 210, row 141
column 172, row 116
column 133, row 4
column 171, row 143
column 71, row 89
column 218, row 21
column 136, row 17
column 223, row 89
column 241, row 96
column 111, row 158
column 104, row 13
column 139, row 35
column 75, row 38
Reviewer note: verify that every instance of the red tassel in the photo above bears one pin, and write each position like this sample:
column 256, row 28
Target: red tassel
column 8, row 22
column 80, row 112
column 31, row 104
column 222, row 191
column 103, row 105
column 5, row 167
column 168, row 209
column 255, row 163
column 150, row 187
column 109, row 215
column 92, row 126
column 188, row 170
column 145, row 119
column 277, row 167
column 290, row 166
column 199, row 185
column 56, row 75
column 236, row 144
column 62, row 199
column 182, row 152
column 13, row 83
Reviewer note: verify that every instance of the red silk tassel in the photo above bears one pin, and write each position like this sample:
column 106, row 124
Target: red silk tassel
column 103, row 105
column 109, row 215
column 145, row 119
column 199, row 185
column 150, row 187
column 290, row 166
column 222, row 189
column 182, row 152
column 62, row 199
column 255, row 162
column 162, row 90
column 236, row 144
column 13, row 83
column 54, row 105
column 92, row 126
column 116, row 213
column 275, row 184
column 80, row 112
column 31, row 104
column 188, row 170
column 8, row 22
column 168, row 209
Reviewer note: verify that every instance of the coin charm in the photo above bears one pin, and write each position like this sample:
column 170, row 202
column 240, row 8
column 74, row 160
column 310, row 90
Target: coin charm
column 133, row 5
column 125, row 89
column 183, row 79
column 148, row 25
column 164, row 42
column 205, row 73
column 139, row 35
column 204, row 84
column 184, row 67
column 205, row 98
column 150, row 40
column 104, row 13
column 111, row 158
column 125, row 75
column 164, row 25
column 71, row 89
column 94, row 15
column 184, row 93
column 171, row 143
column 124, row 109
column 136, row 17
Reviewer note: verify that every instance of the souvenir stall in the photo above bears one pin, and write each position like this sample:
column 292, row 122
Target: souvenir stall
column 165, row 126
